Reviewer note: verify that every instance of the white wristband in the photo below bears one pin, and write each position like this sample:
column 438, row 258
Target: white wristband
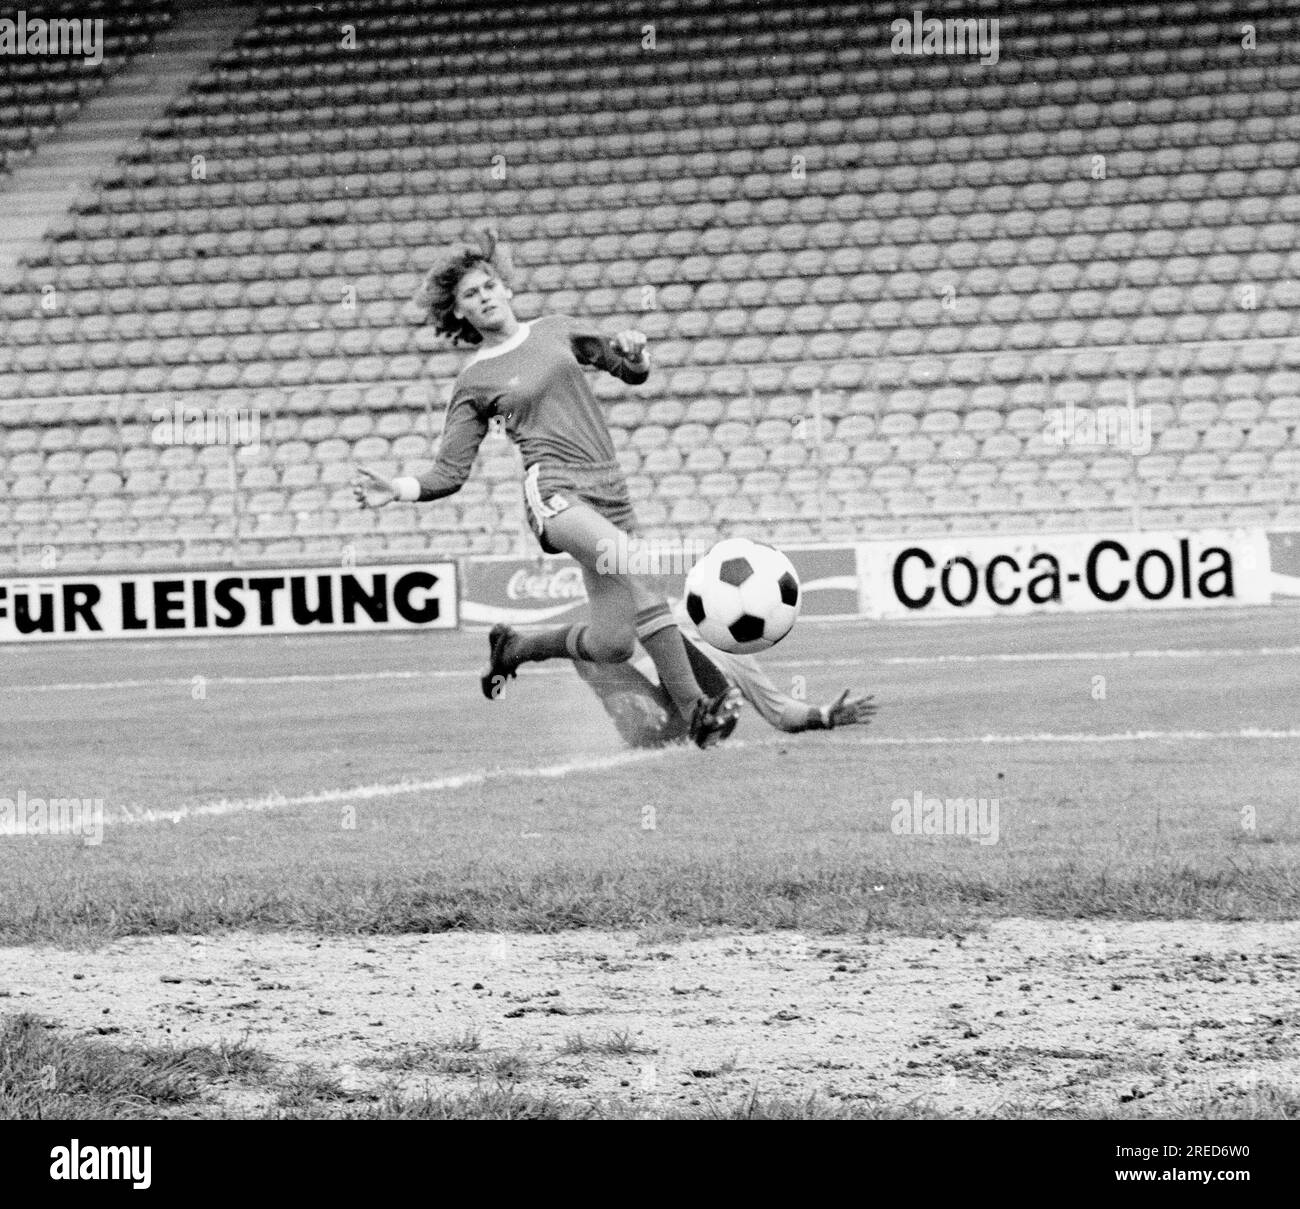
column 406, row 488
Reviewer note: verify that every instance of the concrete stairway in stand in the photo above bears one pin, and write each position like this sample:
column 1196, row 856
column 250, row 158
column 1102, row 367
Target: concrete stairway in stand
column 44, row 187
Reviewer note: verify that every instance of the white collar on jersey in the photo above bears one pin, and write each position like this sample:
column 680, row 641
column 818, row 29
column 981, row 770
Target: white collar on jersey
column 521, row 334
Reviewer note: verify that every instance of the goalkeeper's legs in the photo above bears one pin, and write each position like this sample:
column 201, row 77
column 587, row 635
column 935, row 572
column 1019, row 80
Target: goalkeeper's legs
column 622, row 610
column 641, row 711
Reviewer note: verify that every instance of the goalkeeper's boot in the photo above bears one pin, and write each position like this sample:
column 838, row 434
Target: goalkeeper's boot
column 715, row 717
column 502, row 664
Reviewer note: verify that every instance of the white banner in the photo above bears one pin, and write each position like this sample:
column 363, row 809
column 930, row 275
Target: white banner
column 1065, row 572
column 186, row 604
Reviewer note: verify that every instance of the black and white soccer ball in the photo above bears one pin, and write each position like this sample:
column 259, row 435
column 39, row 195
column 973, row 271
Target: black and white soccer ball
column 743, row 596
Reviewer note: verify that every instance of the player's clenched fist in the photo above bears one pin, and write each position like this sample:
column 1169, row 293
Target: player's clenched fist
column 631, row 344
column 372, row 490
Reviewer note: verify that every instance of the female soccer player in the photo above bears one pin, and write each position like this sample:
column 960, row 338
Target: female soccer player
column 575, row 495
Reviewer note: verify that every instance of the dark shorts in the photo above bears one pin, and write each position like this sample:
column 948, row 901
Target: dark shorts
column 550, row 488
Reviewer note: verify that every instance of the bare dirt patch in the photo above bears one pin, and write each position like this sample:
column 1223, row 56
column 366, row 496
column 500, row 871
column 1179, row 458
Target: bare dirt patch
column 1075, row 1017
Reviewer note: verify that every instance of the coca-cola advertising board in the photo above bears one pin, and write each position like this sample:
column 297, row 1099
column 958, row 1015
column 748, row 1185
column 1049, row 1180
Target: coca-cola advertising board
column 545, row 591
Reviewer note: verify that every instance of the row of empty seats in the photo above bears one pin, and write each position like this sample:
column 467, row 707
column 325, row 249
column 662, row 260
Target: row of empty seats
column 870, row 275
column 39, row 91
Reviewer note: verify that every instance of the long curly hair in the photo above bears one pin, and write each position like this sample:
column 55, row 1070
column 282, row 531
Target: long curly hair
column 437, row 294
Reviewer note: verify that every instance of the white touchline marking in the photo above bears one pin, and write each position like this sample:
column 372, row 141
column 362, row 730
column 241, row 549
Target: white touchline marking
column 561, row 667
column 1132, row 736
column 179, row 681
column 1055, row 656
column 325, row 797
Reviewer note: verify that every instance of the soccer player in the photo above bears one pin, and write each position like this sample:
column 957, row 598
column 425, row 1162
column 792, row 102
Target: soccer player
column 530, row 375
column 643, row 714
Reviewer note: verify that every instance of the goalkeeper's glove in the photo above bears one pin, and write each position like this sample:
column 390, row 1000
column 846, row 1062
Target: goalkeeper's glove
column 848, row 711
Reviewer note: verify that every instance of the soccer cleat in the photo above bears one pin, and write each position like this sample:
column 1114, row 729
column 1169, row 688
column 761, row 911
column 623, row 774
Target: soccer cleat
column 715, row 717
column 500, row 666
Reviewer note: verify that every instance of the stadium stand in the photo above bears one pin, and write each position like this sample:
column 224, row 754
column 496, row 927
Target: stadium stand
column 39, row 93
column 133, row 61
column 868, row 278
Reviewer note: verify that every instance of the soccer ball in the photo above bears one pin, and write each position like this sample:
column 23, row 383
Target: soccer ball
column 742, row 596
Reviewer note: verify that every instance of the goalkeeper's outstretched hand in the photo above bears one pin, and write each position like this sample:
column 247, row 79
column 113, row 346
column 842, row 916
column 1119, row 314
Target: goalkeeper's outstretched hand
column 372, row 490
column 850, row 711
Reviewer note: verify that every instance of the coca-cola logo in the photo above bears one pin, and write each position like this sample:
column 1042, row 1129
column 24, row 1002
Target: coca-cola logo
column 560, row 583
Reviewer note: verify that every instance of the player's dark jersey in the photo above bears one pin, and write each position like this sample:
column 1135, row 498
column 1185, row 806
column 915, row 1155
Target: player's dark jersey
column 539, row 389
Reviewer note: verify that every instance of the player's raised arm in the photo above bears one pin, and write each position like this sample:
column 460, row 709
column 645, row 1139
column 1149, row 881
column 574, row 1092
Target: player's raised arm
column 462, row 433
column 625, row 355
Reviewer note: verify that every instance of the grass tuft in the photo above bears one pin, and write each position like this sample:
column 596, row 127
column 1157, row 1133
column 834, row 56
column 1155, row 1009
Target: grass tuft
column 617, row 1044
column 45, row 1075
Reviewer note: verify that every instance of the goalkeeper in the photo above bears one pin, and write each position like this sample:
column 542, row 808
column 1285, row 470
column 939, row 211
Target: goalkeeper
column 644, row 715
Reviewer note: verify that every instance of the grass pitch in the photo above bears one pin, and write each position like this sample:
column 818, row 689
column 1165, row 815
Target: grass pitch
column 1139, row 762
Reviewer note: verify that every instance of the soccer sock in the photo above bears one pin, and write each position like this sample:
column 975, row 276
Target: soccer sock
column 707, row 673
column 575, row 644
column 547, row 644
column 663, row 641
